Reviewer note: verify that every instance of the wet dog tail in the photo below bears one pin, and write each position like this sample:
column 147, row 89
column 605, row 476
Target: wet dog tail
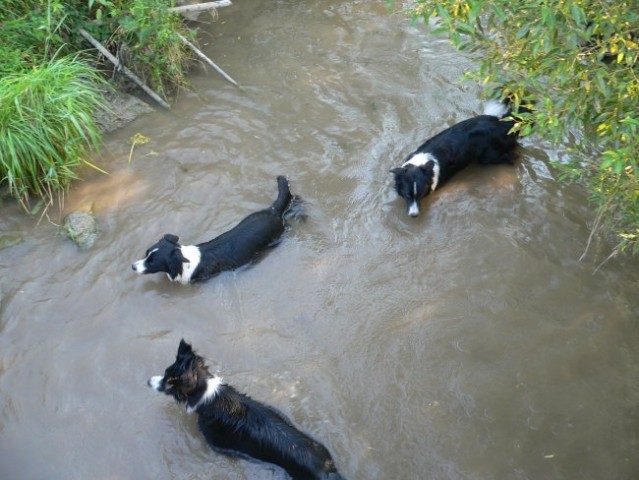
column 284, row 196
column 288, row 205
column 498, row 109
column 504, row 108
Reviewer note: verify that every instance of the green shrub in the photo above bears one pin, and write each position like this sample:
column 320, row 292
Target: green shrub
column 46, row 125
column 145, row 34
column 578, row 60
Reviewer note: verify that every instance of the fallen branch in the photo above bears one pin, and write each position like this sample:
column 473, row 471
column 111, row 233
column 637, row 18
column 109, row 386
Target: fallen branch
column 201, row 6
column 199, row 53
column 124, row 69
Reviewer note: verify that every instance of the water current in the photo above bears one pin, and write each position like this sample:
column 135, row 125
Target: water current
column 468, row 343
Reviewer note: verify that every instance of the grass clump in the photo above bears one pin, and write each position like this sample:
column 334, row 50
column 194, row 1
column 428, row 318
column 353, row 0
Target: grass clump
column 49, row 89
column 47, row 126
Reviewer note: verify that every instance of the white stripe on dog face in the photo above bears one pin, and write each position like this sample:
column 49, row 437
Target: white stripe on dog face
column 139, row 266
column 156, row 382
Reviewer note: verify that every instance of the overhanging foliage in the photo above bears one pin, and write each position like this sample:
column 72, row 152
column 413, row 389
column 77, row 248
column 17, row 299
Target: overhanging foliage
column 578, row 60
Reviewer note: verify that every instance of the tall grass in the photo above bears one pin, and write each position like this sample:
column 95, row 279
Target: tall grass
column 46, row 126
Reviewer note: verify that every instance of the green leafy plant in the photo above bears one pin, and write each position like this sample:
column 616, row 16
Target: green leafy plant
column 578, row 60
column 48, row 90
column 149, row 34
column 47, row 126
column 137, row 139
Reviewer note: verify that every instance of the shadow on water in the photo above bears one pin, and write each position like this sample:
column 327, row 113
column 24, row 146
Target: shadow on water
column 468, row 343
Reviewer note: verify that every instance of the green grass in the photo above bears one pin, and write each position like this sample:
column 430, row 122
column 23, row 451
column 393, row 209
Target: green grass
column 46, row 126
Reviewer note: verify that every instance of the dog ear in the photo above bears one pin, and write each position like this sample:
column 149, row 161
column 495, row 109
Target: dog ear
column 169, row 237
column 398, row 170
column 176, row 254
column 184, row 348
column 174, row 262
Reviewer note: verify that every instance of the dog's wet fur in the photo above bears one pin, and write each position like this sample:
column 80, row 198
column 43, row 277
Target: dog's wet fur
column 236, row 425
column 241, row 245
column 485, row 139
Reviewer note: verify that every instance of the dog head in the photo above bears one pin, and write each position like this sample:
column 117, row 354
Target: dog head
column 184, row 379
column 164, row 256
column 414, row 182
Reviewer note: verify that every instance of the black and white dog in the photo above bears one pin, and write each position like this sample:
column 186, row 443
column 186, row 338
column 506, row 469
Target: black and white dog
column 484, row 138
column 239, row 246
column 237, row 425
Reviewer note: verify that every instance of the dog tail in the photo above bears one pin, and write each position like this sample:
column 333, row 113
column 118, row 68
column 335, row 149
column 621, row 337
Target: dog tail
column 284, row 196
column 287, row 205
column 498, row 109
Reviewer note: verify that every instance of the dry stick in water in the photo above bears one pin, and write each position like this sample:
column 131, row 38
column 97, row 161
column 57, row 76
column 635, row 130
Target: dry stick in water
column 201, row 6
column 124, row 69
column 199, row 53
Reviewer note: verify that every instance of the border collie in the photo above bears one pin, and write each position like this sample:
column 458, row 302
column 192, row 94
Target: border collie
column 239, row 246
column 237, row 425
column 484, row 138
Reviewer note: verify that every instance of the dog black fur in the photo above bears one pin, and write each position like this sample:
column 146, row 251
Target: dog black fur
column 241, row 245
column 484, row 138
column 237, row 425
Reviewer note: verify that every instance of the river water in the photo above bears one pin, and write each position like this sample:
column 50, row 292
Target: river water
column 469, row 343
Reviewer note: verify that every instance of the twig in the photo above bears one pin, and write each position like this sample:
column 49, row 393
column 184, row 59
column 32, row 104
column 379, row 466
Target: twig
column 124, row 69
column 201, row 6
column 199, row 53
column 593, row 230
column 614, row 253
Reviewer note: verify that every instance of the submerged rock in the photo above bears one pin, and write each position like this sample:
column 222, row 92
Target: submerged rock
column 81, row 228
column 9, row 240
column 120, row 108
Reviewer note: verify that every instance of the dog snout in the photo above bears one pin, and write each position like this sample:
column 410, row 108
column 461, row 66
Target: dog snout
column 138, row 266
column 156, row 383
column 413, row 210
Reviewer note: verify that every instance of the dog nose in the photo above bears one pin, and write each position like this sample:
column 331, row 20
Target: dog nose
column 133, row 266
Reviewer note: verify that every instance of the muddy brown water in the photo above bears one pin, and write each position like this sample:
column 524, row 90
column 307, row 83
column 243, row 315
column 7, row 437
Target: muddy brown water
column 469, row 343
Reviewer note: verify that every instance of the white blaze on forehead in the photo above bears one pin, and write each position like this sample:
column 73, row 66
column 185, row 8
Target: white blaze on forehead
column 193, row 255
column 212, row 387
column 139, row 266
column 420, row 160
column 155, row 382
